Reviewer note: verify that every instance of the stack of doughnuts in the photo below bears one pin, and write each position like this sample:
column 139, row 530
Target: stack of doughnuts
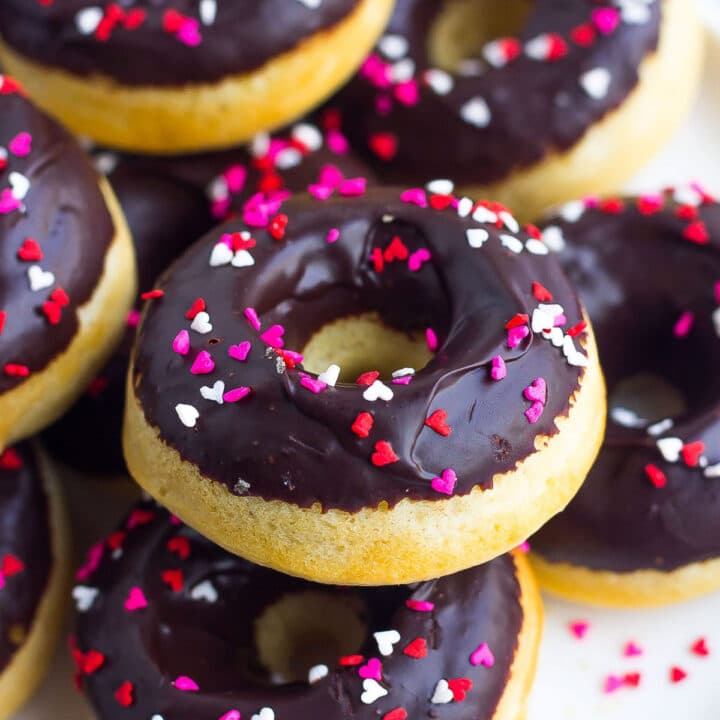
column 277, row 281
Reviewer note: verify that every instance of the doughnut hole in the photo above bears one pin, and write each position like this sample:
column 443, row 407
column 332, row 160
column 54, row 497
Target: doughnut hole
column 363, row 342
column 465, row 26
column 305, row 629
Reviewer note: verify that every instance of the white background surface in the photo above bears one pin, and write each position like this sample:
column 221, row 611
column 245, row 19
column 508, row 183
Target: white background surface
column 571, row 671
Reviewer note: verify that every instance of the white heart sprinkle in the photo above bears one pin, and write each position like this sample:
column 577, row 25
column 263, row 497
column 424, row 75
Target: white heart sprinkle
column 539, row 47
column 440, row 82
column 596, row 83
column 670, row 448
column 512, row 243
column 687, row 195
column 541, row 321
column 378, row 390
column 403, row 372
column 577, row 359
column 208, row 11
column 215, row 392
column 536, row 247
column 243, row 259
column 403, row 71
column 88, row 19
column 385, row 640
column 372, row 691
column 509, row 221
column 482, row 214
column 201, row 323
column 317, row 672
column 19, row 185
column 713, row 471
column 260, row 145
column 554, row 309
column 440, row 187
column 330, row 376
column 204, row 591
column 157, row 717
column 217, row 189
column 465, row 206
column 188, row 414
column 476, row 237
column 267, row 713
column 308, row 135
column 556, row 337
column 571, row 212
column 84, row 597
column 288, row 158
column 221, row 254
column 626, row 417
column 635, row 13
column 476, row 112
column 39, row 279
column 443, row 694
column 660, row 427
column 393, row 47
column 553, row 237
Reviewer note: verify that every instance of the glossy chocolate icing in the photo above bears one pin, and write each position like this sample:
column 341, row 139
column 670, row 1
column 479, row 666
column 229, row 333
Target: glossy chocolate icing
column 64, row 212
column 638, row 275
column 285, row 442
column 211, row 642
column 25, row 547
column 526, row 108
column 169, row 203
column 244, row 36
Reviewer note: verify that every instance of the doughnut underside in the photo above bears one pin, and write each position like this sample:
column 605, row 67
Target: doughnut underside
column 211, row 116
column 45, row 395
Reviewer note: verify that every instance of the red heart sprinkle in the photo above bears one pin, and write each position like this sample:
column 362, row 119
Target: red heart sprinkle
column 52, row 312
column 613, row 206
column 173, row 578
column 416, row 649
column 3, row 318
column 91, row 662
column 631, row 679
column 152, row 294
column 517, row 321
column 277, row 226
column 197, row 306
column 172, row 21
column 677, row 674
column 697, row 232
column 558, row 47
column 384, row 454
column 363, row 424
column 440, row 202
column 16, row 370
column 351, row 660
column 691, row 452
column 656, row 475
column 397, row 714
column 396, row 250
column 687, row 212
column 583, row 35
column 59, row 296
column 179, row 545
column 10, row 460
column 437, row 421
column 124, row 694
column 459, row 688
column 11, row 565
column 384, row 145
column 368, row 378
column 541, row 293
column 116, row 539
column 242, row 243
column 377, row 260
column 134, row 18
column 575, row 330
column 30, row 251
column 700, row 648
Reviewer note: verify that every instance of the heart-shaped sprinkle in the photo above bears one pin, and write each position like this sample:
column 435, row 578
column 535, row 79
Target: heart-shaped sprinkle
column 596, row 83
column 330, row 376
column 439, row 81
column 417, row 649
column 88, row 19
column 173, row 579
column 384, row 454
column 30, row 251
column 378, row 391
column 39, row 279
column 700, row 648
column 476, row 112
column 537, row 391
column 124, row 694
column 236, row 394
column 420, row 605
column 482, row 655
column 372, row 691
column 534, row 412
column 415, row 196
column 372, row 669
column 605, row 19
column 188, row 414
column 632, row 649
column 612, row 683
column 677, row 674
column 396, row 250
column 442, row 694
column 84, row 597
column 179, row 545
column 21, row 144
column 418, row 258
column 185, row 684
column 397, row 713
column 231, row 715
column 181, row 343
column 498, row 368
column 516, row 335
column 243, row 258
column 317, row 672
column 460, row 688
column 656, row 476
column 214, row 393
column 579, row 628
column 203, row 363
column 135, row 600
column 201, row 323
column 541, row 293
column 692, row 452
column 363, row 424
column 385, row 640
column 273, row 336
column 240, row 351
column 221, row 254
column 445, row 484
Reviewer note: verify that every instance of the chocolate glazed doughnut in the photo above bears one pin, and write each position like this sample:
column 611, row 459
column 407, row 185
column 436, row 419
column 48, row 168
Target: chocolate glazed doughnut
column 178, row 628
column 67, row 276
column 320, row 475
column 34, row 572
column 169, row 203
column 643, row 528
column 573, row 101
column 172, row 76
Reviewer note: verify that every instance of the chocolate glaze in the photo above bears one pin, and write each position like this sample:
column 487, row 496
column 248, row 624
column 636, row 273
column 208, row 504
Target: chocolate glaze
column 637, row 275
column 537, row 107
column 244, row 36
column 168, row 205
column 25, row 547
column 65, row 213
column 284, row 442
column 212, row 642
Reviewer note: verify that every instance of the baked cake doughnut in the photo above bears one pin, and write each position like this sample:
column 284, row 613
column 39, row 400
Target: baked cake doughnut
column 559, row 98
column 178, row 628
column 67, row 277
column 349, row 466
column 643, row 529
column 169, row 203
column 34, row 573
column 174, row 76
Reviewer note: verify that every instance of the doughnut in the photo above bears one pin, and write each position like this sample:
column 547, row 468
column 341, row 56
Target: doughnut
column 169, row 77
column 178, row 628
column 34, row 572
column 559, row 98
column 643, row 528
column 67, row 275
column 355, row 394
column 169, row 203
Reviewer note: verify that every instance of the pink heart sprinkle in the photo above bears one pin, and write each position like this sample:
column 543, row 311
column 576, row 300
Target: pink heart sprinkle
column 420, row 605
column 415, row 196
column 579, row 629
column 330, row 176
column 133, row 318
column 235, row 177
column 231, row 715
column 320, row 192
column 372, row 670
column 135, row 600
column 683, row 325
column 203, row 363
column 273, row 336
column 181, row 343
column 189, row 32
column 632, row 649
column 407, row 93
column 312, row 384
column 296, row 356
column 252, row 317
column 445, row 484
column 237, row 394
column 8, row 202
column 516, row 335
column 537, row 392
column 431, row 339
column 482, row 656
column 612, row 683
column 21, row 144
column 416, row 259
column 498, row 370
column 186, row 684
column 256, row 217
column 240, row 351
column 606, row 20
column 337, row 142
column 333, row 235
column 404, row 380
column 352, row 187
column 534, row 412
column 94, row 556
